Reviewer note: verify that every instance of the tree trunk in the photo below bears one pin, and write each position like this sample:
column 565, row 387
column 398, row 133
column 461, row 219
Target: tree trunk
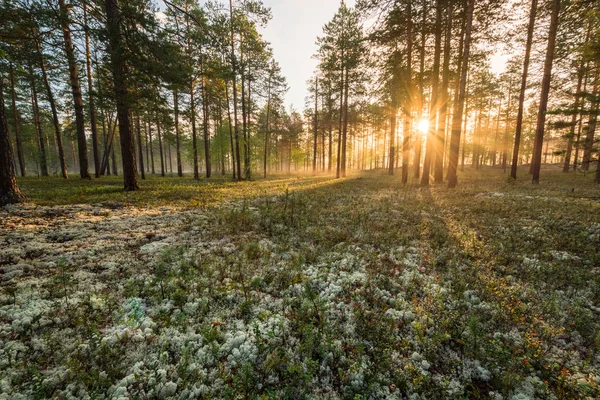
column 434, row 103
column 406, row 132
column 38, row 126
column 88, row 63
column 541, row 122
column 59, row 143
column 234, row 83
column 315, row 127
column 18, row 142
column 139, row 143
column 441, row 133
column 84, row 172
column 515, row 155
column 9, row 191
column 119, row 71
column 177, row 141
column 233, row 159
column 567, row 163
column 160, row 146
column 591, row 128
column 266, row 149
column 458, row 116
column 205, row 121
column 345, row 132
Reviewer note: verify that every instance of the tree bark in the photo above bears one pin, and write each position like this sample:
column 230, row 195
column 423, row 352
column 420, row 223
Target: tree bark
column 84, row 172
column 541, row 122
column 434, row 103
column 59, row 142
column 88, row 63
column 18, row 142
column 177, row 140
column 9, row 191
column 441, row 133
column 567, row 163
column 139, row 143
column 119, row 71
column 458, row 116
column 515, row 155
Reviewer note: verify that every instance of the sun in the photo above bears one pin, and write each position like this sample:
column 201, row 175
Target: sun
column 423, row 125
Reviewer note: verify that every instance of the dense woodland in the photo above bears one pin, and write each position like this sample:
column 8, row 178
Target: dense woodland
column 97, row 88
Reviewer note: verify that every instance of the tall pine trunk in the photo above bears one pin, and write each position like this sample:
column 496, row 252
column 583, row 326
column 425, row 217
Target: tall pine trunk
column 515, row 155
column 441, row 133
column 119, row 72
column 177, row 139
column 92, row 106
column 84, row 172
column 18, row 142
column 434, row 104
column 541, row 122
column 9, row 191
column 406, row 132
column 458, row 115
column 56, row 123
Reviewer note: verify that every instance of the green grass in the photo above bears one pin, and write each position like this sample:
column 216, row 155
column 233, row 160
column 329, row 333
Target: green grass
column 185, row 191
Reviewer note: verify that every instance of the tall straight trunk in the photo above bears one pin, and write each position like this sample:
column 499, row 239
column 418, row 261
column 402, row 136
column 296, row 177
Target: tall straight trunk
column 18, row 142
column 248, row 160
column 177, row 139
column 84, row 172
column 38, row 126
column 519, row 126
column 591, row 128
column 194, row 131
column 105, row 142
column 205, row 120
column 330, row 123
column 266, row 149
column 392, row 149
column 58, row 135
column 119, row 71
column 244, row 112
column 147, row 147
column 9, row 191
column 567, row 163
column 341, row 121
column 506, row 129
column 92, row 106
column 418, row 139
column 580, row 124
column 495, row 146
column 476, row 139
column 233, row 159
column 168, row 154
column 441, row 133
column 541, row 122
column 458, row 116
column 113, row 157
column 345, row 131
column 234, row 84
column 139, row 143
column 160, row 146
column 434, row 104
column 315, row 126
column 406, row 132
column 153, row 169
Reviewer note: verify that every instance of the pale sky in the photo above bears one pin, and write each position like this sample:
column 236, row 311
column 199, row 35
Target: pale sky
column 293, row 33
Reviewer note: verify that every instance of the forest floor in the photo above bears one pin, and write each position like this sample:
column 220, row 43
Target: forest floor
column 302, row 287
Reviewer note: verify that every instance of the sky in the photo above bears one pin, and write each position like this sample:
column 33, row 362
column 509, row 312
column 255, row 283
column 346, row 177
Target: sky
column 293, row 33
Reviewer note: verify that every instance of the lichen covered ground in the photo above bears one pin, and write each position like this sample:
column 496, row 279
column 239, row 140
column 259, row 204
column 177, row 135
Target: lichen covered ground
column 303, row 288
